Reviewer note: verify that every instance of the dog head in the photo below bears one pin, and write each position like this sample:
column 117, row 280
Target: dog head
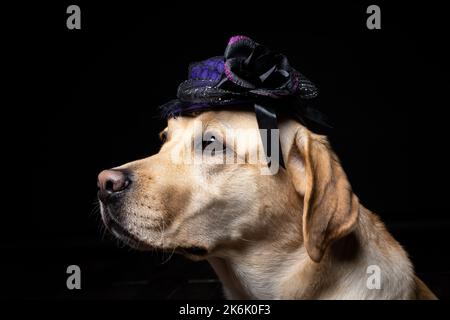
column 222, row 202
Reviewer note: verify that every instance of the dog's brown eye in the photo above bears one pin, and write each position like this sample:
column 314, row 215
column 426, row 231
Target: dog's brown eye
column 207, row 142
column 214, row 145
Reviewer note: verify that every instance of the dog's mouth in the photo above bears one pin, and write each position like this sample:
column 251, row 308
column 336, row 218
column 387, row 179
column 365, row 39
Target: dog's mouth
column 131, row 240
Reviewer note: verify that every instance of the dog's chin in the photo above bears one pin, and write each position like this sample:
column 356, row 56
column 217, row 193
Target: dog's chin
column 115, row 228
column 120, row 232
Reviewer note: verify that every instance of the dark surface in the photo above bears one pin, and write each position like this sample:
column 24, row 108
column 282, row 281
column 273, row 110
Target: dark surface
column 99, row 89
column 111, row 272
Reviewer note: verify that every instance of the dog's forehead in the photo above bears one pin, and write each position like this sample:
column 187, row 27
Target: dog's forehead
column 228, row 119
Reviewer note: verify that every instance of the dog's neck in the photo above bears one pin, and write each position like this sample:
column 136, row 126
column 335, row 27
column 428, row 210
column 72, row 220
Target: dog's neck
column 253, row 269
column 282, row 269
column 255, row 273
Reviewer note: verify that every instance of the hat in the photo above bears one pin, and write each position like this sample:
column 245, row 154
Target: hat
column 248, row 74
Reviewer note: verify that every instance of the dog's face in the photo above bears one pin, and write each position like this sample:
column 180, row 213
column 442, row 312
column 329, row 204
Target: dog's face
column 208, row 205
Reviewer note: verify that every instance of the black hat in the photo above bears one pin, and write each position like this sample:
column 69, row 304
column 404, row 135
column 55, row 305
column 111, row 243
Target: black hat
column 248, row 74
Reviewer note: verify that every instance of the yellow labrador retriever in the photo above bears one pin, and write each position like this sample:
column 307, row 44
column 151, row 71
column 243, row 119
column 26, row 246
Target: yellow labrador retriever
column 298, row 234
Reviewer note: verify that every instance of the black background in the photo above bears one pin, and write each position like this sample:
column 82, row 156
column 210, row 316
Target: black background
column 98, row 91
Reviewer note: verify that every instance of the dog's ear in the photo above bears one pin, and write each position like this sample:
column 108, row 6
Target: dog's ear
column 330, row 208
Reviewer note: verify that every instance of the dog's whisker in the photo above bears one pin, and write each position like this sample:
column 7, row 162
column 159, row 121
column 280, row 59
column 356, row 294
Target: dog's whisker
column 163, row 231
column 247, row 240
column 161, row 238
column 95, row 211
column 165, row 261
column 103, row 232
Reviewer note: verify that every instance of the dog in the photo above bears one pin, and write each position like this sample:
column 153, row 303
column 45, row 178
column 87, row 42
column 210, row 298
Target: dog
column 298, row 234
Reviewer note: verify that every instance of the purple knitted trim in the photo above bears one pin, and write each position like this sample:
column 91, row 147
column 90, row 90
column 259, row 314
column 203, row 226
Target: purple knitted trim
column 228, row 72
column 235, row 39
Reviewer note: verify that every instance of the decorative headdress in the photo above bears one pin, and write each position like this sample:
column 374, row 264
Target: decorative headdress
column 248, row 74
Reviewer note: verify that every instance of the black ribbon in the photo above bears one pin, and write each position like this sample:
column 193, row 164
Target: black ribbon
column 267, row 119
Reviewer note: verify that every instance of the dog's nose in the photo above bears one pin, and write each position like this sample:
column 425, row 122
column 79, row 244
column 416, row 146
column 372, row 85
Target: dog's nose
column 111, row 182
